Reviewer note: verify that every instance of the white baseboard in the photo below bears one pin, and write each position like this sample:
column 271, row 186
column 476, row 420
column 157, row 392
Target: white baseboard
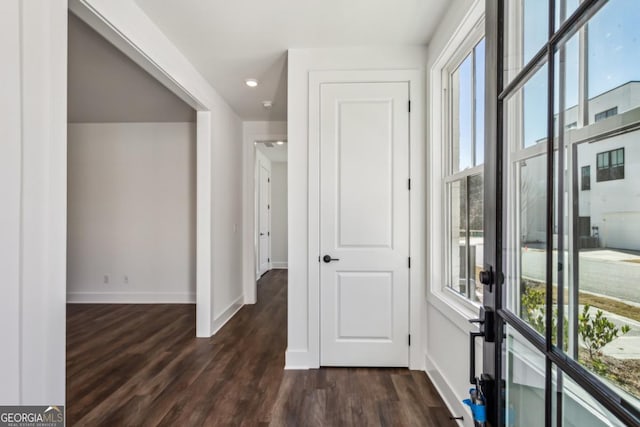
column 131, row 298
column 453, row 402
column 296, row 360
column 226, row 315
column 279, row 265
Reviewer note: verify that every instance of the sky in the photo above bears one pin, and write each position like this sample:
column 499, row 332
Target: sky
column 613, row 57
column 467, row 98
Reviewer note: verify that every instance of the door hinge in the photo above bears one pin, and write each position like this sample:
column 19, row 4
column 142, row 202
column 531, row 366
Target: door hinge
column 268, row 233
column 409, row 262
column 409, row 340
column 409, row 183
column 268, row 206
column 268, row 180
column 268, row 259
column 409, row 105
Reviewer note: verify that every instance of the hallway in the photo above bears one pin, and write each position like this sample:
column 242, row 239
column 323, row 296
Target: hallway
column 141, row 365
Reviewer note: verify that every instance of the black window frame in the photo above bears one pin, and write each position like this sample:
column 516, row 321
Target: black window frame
column 497, row 91
column 585, row 178
column 609, row 166
column 605, row 114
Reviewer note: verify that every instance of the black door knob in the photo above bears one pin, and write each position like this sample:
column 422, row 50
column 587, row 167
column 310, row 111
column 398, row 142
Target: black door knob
column 328, row 259
column 486, row 277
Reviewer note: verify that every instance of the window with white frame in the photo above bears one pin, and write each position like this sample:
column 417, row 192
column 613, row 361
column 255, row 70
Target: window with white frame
column 463, row 171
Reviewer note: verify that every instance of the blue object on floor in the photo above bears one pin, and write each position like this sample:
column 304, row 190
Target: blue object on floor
column 478, row 409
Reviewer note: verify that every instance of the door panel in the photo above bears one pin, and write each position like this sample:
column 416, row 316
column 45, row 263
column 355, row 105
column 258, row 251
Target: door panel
column 264, row 221
column 371, row 291
column 370, row 188
column 364, row 217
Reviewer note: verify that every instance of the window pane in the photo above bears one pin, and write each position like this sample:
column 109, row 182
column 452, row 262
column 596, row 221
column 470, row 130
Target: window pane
column 526, row 186
column 526, row 113
column 535, row 108
column 529, row 266
column 564, row 9
column 586, row 178
column 525, row 367
column 479, row 100
column 458, row 236
column 600, row 228
column 526, row 31
column 581, row 409
column 466, row 239
column 613, row 53
column 462, row 116
column 476, row 234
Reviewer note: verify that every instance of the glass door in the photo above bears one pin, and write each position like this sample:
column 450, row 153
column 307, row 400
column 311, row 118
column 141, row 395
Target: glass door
column 562, row 213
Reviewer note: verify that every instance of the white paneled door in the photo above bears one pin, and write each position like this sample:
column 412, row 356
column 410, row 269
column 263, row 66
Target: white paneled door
column 364, row 224
column 264, row 218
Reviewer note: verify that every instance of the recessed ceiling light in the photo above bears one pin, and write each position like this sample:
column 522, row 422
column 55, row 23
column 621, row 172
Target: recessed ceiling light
column 267, row 104
column 279, row 142
column 251, row 82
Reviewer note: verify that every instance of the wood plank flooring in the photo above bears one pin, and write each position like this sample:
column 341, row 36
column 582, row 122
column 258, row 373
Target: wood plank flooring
column 141, row 365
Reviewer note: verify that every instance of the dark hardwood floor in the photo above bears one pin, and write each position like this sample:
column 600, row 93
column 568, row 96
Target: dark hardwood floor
column 139, row 365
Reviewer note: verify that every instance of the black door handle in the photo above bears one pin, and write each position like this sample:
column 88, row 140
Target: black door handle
column 486, row 321
column 328, row 259
column 472, row 355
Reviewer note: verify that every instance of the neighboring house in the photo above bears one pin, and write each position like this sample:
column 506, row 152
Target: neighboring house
column 607, row 173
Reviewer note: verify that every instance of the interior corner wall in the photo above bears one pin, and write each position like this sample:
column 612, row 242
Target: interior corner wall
column 302, row 350
column 447, row 334
column 279, row 221
column 131, row 212
column 33, row 45
column 253, row 131
column 226, row 208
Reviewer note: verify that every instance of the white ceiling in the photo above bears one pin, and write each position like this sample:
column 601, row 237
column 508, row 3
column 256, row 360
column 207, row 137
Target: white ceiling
column 106, row 86
column 276, row 153
column 229, row 41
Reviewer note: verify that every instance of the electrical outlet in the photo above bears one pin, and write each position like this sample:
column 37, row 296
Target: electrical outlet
column 106, row 279
column 126, row 280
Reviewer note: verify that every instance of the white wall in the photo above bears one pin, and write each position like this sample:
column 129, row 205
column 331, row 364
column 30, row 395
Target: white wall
column 33, row 191
column 252, row 131
column 131, row 212
column 447, row 332
column 303, row 347
column 226, row 207
column 279, row 221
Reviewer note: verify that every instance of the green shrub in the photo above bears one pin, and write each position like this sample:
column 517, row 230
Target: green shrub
column 597, row 331
column 535, row 313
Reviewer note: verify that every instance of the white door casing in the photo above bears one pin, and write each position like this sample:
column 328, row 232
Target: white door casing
column 364, row 224
column 264, row 216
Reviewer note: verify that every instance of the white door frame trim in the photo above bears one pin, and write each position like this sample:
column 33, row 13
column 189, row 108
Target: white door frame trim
column 101, row 24
column 417, row 223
